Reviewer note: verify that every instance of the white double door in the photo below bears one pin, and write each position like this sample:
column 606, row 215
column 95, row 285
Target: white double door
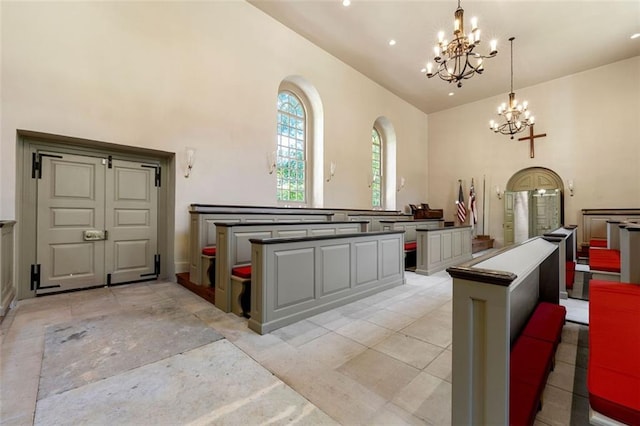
column 96, row 221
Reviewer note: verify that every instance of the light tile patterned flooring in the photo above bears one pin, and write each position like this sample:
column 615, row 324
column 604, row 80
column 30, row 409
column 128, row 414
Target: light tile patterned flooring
column 383, row 360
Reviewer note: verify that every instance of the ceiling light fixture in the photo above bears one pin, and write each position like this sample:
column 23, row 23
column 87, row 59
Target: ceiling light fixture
column 456, row 60
column 634, row 36
column 346, row 3
column 516, row 116
column 392, row 42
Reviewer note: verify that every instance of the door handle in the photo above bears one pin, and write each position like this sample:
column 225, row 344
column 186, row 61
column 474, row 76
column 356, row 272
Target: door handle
column 94, row 235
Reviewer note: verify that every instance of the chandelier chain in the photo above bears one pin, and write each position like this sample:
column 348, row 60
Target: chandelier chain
column 516, row 116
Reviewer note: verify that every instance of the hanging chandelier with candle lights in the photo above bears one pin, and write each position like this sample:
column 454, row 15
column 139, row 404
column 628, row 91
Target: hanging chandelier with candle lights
column 455, row 60
column 515, row 116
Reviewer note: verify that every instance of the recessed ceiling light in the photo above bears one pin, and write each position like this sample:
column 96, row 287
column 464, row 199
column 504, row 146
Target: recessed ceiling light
column 423, row 70
column 450, row 93
column 346, row 3
column 636, row 35
column 392, row 42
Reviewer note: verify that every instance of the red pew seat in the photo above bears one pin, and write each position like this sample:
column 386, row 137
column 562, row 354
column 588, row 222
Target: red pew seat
column 613, row 372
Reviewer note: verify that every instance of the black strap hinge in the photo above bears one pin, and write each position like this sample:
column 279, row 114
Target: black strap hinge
column 158, row 173
column 156, row 267
column 36, row 164
column 36, row 276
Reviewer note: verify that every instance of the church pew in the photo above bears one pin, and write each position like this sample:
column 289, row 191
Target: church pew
column 234, row 250
column 500, row 372
column 569, row 251
column 410, row 236
column 375, row 218
column 202, row 230
column 296, row 278
column 613, row 371
column 608, row 264
column 440, row 248
column 594, row 221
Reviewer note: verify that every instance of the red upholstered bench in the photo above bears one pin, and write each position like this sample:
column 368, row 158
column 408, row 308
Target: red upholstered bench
column 613, row 372
column 242, row 271
column 410, row 246
column 410, row 254
column 524, row 402
column 209, row 251
column 595, row 242
column 546, row 323
column 606, row 260
column 530, row 361
column 570, row 274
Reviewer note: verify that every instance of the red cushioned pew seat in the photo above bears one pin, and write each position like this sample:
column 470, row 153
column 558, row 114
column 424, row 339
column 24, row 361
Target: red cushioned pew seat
column 524, row 402
column 595, row 242
column 530, row 361
column 410, row 246
column 604, row 260
column 546, row 323
column 242, row 271
column 613, row 372
column 209, row 251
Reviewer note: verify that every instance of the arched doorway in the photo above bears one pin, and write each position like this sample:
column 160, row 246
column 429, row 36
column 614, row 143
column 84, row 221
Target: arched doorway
column 533, row 204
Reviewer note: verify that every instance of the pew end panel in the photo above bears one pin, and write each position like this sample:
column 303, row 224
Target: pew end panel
column 569, row 252
column 295, row 278
column 439, row 248
column 630, row 254
column 234, row 249
column 493, row 298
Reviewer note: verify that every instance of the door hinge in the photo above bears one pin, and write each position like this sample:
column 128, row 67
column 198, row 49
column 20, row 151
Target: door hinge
column 36, row 277
column 158, row 173
column 110, row 162
column 156, row 267
column 36, row 164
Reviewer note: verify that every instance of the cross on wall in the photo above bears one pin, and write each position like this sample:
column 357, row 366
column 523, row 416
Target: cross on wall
column 531, row 138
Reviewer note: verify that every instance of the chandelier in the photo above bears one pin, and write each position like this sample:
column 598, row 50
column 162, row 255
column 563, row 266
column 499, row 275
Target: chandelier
column 516, row 116
column 456, row 60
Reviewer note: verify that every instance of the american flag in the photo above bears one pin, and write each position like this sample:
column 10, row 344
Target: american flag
column 472, row 205
column 462, row 210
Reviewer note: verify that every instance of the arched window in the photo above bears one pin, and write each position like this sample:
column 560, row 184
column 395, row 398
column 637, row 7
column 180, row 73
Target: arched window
column 377, row 152
column 291, row 152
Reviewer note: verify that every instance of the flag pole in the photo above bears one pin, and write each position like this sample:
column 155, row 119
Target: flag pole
column 484, row 206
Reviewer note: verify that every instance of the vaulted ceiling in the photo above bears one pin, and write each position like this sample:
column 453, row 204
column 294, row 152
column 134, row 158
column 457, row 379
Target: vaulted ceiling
column 553, row 39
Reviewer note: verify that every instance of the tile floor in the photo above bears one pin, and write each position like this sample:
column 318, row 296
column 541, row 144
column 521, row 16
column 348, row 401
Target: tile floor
column 383, row 360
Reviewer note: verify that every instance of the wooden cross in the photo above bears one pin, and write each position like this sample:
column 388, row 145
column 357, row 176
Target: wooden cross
column 530, row 138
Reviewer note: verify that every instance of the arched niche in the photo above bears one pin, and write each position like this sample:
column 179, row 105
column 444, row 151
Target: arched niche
column 533, row 204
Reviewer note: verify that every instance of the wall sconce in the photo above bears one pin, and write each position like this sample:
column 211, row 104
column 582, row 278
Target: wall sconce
column 402, row 182
column 499, row 193
column 332, row 171
column 190, row 156
column 271, row 162
column 571, row 187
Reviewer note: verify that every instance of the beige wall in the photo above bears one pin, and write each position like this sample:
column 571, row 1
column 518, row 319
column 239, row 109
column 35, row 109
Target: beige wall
column 592, row 122
column 200, row 74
